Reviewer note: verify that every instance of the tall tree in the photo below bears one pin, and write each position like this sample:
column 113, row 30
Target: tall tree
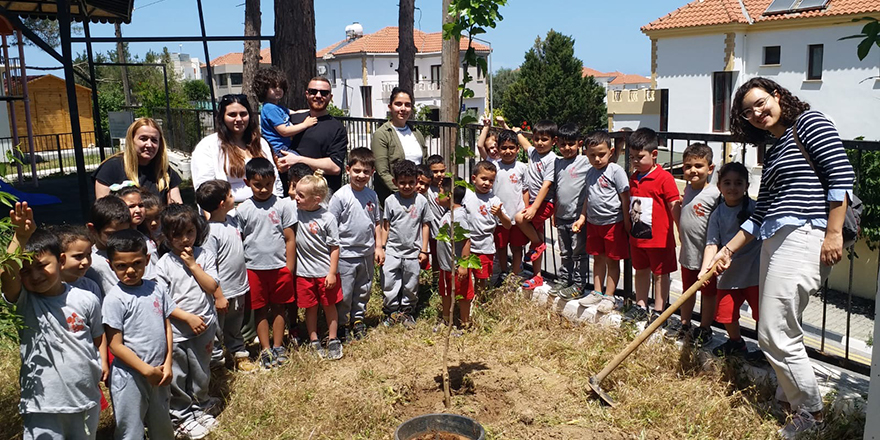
column 551, row 86
column 120, row 58
column 449, row 69
column 295, row 38
column 406, row 47
column 250, row 59
column 501, row 80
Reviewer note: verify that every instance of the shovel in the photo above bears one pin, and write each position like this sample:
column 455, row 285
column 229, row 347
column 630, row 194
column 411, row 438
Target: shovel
column 596, row 381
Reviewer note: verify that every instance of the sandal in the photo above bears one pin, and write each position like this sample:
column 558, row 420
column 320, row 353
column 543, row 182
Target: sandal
column 535, row 252
column 533, row 282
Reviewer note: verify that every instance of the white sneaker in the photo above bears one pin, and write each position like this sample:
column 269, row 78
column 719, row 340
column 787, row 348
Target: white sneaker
column 211, row 406
column 801, row 421
column 606, row 305
column 190, row 430
column 208, row 422
column 592, row 299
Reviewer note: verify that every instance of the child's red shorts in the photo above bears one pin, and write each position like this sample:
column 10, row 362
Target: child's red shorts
column 661, row 261
column 274, row 286
column 485, row 270
column 545, row 211
column 689, row 277
column 729, row 302
column 463, row 286
column 311, row 291
column 513, row 236
column 609, row 240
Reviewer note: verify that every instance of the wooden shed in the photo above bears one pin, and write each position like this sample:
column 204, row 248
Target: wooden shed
column 50, row 114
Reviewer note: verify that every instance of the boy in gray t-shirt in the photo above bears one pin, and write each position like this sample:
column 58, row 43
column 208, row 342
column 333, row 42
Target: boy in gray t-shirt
column 406, row 244
column 486, row 214
column 59, row 339
column 450, row 271
column 136, row 317
column 571, row 191
column 108, row 215
column 224, row 241
column 356, row 208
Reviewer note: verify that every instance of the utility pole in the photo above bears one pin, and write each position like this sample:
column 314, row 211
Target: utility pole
column 406, row 47
column 450, row 108
column 120, row 58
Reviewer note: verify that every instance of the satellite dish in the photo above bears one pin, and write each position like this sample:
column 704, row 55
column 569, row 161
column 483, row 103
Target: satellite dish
column 322, row 70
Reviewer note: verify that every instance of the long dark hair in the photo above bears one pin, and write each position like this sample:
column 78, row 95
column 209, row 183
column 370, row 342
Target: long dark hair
column 175, row 219
column 234, row 158
column 743, row 131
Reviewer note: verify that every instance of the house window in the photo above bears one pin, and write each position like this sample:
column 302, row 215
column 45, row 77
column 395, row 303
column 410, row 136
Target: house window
column 367, row 99
column 722, row 83
column 479, row 72
column 235, row 79
column 333, row 75
column 771, row 55
column 814, row 63
column 415, row 74
column 222, row 80
column 435, row 74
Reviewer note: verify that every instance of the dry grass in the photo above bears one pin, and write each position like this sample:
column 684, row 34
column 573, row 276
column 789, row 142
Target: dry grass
column 522, row 373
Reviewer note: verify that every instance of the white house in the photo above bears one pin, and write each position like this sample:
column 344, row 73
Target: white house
column 627, row 99
column 185, row 66
column 227, row 70
column 702, row 52
column 362, row 70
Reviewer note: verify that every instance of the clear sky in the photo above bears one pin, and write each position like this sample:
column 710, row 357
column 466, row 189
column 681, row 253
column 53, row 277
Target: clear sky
column 607, row 35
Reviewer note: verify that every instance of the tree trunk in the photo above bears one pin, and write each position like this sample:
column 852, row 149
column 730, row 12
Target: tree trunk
column 406, row 47
column 450, row 108
column 294, row 49
column 251, row 56
column 120, row 58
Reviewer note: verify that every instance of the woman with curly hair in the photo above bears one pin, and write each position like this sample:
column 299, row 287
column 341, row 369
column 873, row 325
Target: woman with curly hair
column 799, row 216
column 223, row 155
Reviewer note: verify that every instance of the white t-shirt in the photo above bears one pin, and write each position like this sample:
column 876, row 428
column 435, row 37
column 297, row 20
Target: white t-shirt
column 411, row 147
column 209, row 163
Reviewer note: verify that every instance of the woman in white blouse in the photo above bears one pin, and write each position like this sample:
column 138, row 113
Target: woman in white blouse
column 395, row 140
column 224, row 154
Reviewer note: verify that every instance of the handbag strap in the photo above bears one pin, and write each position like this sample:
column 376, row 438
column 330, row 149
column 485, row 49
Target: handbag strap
column 806, row 155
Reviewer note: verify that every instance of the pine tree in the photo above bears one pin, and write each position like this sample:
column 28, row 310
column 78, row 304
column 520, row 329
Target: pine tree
column 551, row 86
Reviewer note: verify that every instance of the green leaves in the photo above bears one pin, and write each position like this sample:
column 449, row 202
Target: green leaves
column 870, row 36
column 459, row 233
column 462, row 153
column 471, row 262
column 466, row 184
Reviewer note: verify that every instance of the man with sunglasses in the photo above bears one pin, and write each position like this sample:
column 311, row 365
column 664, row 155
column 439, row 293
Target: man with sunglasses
column 324, row 145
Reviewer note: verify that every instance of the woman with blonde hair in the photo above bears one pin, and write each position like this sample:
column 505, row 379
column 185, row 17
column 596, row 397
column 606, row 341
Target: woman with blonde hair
column 144, row 160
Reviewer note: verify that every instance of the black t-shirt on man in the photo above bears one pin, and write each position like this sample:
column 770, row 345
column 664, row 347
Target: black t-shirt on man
column 327, row 138
column 113, row 171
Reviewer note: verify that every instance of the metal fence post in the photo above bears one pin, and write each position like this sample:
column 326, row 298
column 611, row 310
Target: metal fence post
column 60, row 156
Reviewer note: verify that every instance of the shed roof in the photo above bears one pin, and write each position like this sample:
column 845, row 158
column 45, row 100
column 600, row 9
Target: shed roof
column 98, row 11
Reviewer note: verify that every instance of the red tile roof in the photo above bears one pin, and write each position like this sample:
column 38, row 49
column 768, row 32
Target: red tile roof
column 597, row 74
column 629, row 79
column 716, row 12
column 235, row 58
column 385, row 41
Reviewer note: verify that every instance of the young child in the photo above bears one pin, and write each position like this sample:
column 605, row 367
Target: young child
column 405, row 240
column 464, row 288
column 509, row 185
column 76, row 246
column 356, row 208
column 109, row 214
column 437, row 166
column 294, row 174
column 487, row 143
column 739, row 282
column 698, row 202
column 539, row 182
column 606, row 226
column 270, row 85
column 224, row 241
column 189, row 274
column 266, row 225
column 136, row 320
column 150, row 226
column 655, row 205
column 317, row 262
column 59, row 338
column 487, row 213
column 132, row 196
column 571, row 193
column 426, row 177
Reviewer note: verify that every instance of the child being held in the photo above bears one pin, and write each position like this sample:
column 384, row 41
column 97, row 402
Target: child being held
column 405, row 239
column 270, row 85
column 108, row 215
column 224, row 241
column 487, row 143
column 509, row 185
column 356, row 208
column 487, row 213
column 739, row 283
column 189, row 274
column 60, row 336
column 571, row 193
column 606, row 224
column 317, row 263
column 132, row 196
column 136, row 318
column 464, row 288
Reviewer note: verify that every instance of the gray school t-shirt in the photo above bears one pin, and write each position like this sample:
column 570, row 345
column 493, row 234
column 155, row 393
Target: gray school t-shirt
column 571, row 188
column 696, row 206
column 262, row 227
column 746, row 263
column 405, row 219
column 88, row 284
column 173, row 275
column 482, row 221
column 509, row 182
column 60, row 367
column 139, row 312
column 604, row 186
column 437, row 210
column 540, row 169
column 316, row 233
column 100, row 271
column 357, row 213
column 224, row 241
column 444, row 249
column 153, row 252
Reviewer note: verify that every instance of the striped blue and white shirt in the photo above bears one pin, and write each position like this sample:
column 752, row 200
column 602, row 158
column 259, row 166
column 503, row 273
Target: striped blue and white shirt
column 791, row 193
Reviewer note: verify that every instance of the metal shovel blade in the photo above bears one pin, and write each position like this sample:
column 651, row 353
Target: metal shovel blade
column 594, row 384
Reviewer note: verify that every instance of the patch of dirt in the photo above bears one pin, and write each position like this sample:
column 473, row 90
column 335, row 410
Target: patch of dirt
column 440, row 435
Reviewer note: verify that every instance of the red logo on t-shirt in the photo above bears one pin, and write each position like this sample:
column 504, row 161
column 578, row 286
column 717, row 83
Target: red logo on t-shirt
column 370, row 207
column 313, row 227
column 514, row 179
column 157, row 306
column 572, row 172
column 273, row 217
column 483, row 210
column 412, row 211
column 539, row 166
column 603, row 182
column 698, row 210
column 75, row 323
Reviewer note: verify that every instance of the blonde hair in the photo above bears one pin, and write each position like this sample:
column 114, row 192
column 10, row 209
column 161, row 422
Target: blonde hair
column 130, row 158
column 318, row 184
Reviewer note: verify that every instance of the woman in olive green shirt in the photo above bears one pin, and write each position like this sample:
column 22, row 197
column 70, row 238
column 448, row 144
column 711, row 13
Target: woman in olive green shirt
column 395, row 140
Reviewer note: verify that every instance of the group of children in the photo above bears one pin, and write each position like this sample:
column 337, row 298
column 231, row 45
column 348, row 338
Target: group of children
column 152, row 297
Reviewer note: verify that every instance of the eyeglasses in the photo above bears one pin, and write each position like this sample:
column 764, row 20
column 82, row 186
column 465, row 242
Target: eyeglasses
column 324, row 93
column 759, row 105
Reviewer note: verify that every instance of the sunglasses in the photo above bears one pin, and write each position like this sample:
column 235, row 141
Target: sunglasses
column 324, row 93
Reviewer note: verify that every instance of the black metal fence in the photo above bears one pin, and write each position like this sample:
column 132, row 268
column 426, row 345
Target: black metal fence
column 53, row 154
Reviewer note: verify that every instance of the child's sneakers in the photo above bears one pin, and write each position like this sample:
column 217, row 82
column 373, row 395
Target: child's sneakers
column 208, row 421
column 391, row 319
column 407, row 321
column 267, row 359
column 190, row 430
column 635, row 314
column 533, row 282
column 280, row 355
column 702, row 336
column 334, row 349
column 802, row 421
column 316, row 349
column 559, row 287
column 244, row 364
column 731, row 348
column 359, row 330
column 676, row 331
column 606, row 305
